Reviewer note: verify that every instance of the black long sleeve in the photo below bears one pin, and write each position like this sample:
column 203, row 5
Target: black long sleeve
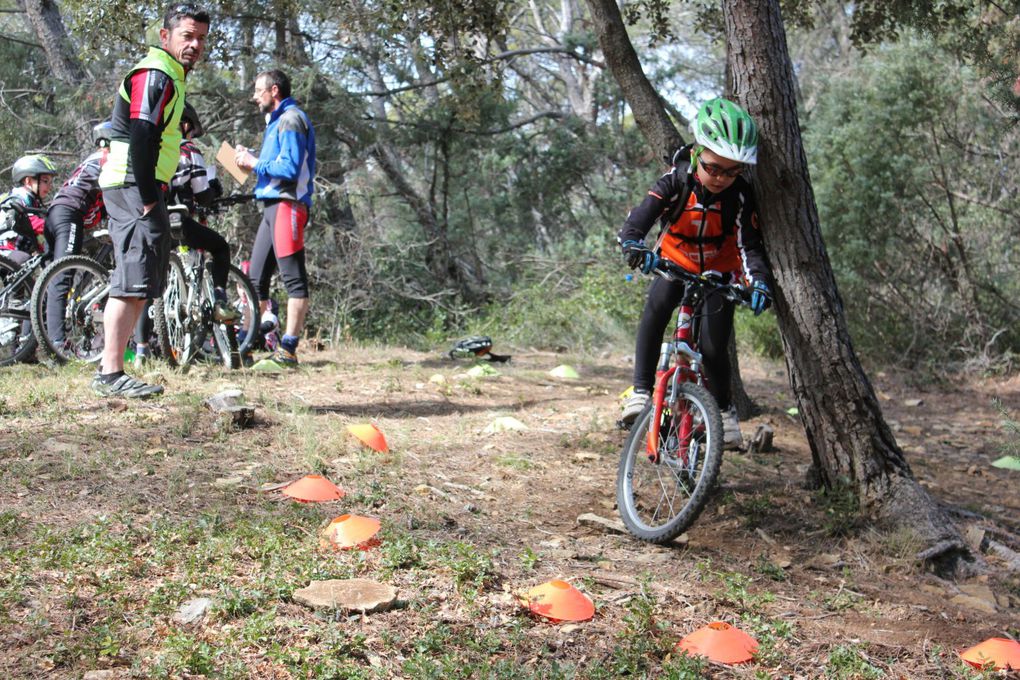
column 144, row 150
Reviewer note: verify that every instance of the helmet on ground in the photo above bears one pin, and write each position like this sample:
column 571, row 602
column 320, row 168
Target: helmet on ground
column 190, row 116
column 727, row 130
column 102, row 133
column 475, row 346
column 32, row 166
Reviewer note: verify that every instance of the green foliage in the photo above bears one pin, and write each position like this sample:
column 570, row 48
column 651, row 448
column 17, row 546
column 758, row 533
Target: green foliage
column 910, row 201
column 848, row 663
column 841, row 508
column 597, row 307
column 758, row 334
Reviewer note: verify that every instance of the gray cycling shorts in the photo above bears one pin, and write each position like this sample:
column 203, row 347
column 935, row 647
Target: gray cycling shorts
column 141, row 245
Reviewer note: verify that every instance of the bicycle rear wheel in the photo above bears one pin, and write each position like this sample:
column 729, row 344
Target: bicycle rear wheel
column 173, row 319
column 241, row 296
column 17, row 342
column 224, row 336
column 80, row 335
column 659, row 500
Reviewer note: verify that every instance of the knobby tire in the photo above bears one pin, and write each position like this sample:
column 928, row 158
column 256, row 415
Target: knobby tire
column 659, row 501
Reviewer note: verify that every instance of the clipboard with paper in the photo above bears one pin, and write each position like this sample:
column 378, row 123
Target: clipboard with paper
column 225, row 157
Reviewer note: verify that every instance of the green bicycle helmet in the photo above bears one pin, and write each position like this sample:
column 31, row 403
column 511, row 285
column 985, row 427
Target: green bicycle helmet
column 32, row 166
column 728, row 130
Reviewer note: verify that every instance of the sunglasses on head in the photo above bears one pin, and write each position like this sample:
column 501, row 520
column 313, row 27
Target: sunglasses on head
column 714, row 170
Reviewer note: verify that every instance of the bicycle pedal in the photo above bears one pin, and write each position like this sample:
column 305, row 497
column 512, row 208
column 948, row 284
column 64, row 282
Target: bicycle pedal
column 626, row 427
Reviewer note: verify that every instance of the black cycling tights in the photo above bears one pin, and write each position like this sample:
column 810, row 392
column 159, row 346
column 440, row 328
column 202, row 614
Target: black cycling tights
column 199, row 236
column 716, row 326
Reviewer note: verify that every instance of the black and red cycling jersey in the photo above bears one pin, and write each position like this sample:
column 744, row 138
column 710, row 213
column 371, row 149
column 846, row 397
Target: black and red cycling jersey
column 709, row 232
column 149, row 99
column 81, row 191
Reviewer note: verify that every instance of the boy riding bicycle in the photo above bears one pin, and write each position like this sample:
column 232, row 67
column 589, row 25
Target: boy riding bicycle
column 709, row 222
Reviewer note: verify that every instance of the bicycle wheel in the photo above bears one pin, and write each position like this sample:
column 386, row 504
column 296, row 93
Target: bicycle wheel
column 80, row 334
column 241, row 296
column 17, row 342
column 173, row 317
column 224, row 336
column 659, row 500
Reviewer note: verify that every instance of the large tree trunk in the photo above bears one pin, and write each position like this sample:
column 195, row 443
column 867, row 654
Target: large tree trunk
column 45, row 21
column 847, row 433
column 644, row 101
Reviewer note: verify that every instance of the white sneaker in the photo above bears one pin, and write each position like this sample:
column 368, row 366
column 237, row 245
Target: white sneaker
column 633, row 406
column 732, row 439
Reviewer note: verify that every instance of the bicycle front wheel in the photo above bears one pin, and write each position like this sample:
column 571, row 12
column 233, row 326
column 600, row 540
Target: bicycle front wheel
column 78, row 288
column 659, row 499
column 17, row 341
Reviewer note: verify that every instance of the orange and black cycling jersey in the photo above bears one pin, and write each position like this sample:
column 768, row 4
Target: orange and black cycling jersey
column 711, row 232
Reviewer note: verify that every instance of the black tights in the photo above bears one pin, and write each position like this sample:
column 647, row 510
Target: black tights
column 716, row 325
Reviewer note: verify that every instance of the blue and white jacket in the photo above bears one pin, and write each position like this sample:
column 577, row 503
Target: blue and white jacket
column 286, row 164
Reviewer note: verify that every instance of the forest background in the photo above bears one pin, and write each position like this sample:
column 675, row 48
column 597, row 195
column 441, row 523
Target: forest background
column 476, row 158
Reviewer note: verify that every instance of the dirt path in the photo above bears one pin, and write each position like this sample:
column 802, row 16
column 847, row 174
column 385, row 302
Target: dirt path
column 469, row 518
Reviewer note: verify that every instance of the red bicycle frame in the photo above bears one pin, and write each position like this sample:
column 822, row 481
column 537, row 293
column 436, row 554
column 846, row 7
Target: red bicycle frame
column 664, row 373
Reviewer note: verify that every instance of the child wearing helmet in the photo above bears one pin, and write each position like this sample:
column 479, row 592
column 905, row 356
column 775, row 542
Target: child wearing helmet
column 21, row 233
column 707, row 210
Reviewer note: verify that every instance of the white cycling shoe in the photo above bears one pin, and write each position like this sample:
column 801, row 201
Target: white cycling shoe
column 732, row 439
column 633, row 406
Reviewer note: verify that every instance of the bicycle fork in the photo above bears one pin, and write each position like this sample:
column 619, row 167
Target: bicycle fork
column 688, row 362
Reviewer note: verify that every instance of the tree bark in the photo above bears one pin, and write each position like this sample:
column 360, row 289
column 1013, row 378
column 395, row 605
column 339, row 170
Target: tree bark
column 45, row 21
column 849, row 438
column 623, row 63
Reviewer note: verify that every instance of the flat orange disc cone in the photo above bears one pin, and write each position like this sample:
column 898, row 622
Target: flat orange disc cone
column 559, row 601
column 721, row 643
column 370, row 435
column 350, row 531
column 1003, row 653
column 313, row 489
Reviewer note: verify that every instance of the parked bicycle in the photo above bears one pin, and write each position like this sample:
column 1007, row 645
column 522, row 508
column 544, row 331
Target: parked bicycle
column 184, row 316
column 19, row 336
column 670, row 460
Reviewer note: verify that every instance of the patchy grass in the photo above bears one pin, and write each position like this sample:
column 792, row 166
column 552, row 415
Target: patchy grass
column 113, row 515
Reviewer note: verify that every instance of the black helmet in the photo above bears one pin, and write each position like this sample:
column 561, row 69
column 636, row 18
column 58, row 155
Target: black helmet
column 102, row 133
column 32, row 166
column 190, row 116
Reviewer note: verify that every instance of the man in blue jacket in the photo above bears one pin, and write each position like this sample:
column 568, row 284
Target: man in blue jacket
column 285, row 170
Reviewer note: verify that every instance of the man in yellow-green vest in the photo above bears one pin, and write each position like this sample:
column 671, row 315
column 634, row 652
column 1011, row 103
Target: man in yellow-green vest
column 145, row 145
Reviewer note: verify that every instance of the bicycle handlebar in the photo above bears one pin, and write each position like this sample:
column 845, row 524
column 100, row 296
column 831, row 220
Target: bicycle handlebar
column 710, row 280
column 233, row 199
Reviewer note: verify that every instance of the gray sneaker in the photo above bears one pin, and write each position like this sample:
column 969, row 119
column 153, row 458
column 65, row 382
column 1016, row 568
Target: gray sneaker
column 125, row 386
column 633, row 407
column 732, row 439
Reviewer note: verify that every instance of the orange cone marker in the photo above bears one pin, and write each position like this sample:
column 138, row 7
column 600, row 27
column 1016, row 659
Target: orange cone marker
column 559, row 601
column 350, row 531
column 370, row 435
column 1003, row 653
column 721, row 643
column 313, row 489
